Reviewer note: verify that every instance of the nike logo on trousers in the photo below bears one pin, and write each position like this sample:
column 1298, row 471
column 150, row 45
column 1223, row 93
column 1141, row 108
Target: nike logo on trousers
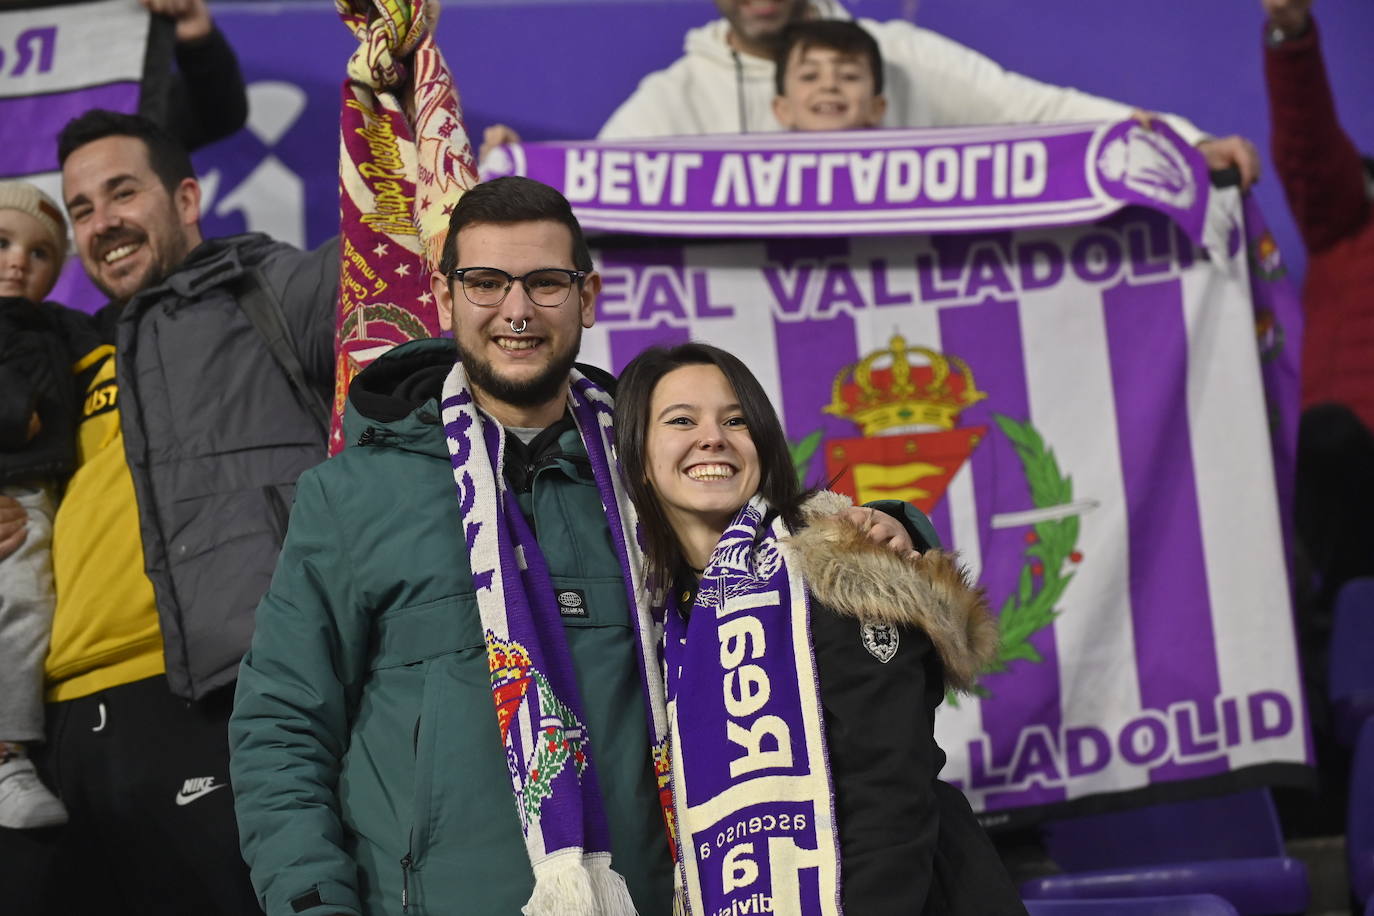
column 198, row 787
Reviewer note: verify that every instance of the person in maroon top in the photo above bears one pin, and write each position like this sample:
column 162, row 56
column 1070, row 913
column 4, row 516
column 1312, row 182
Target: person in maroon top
column 1327, row 185
column 1329, row 189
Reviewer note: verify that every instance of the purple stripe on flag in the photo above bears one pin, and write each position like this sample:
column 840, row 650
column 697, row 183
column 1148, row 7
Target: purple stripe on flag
column 628, row 343
column 811, row 354
column 634, row 292
column 1147, row 340
column 44, row 116
column 989, row 337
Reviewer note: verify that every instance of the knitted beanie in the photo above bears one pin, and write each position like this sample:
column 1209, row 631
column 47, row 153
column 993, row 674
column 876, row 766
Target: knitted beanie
column 24, row 197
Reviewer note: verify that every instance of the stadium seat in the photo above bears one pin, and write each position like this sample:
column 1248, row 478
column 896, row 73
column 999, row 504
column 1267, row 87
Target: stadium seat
column 1359, row 828
column 1230, row 846
column 1191, row 905
column 1351, row 669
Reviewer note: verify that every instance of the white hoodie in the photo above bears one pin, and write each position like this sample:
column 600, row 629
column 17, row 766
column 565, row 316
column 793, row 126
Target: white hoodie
column 929, row 81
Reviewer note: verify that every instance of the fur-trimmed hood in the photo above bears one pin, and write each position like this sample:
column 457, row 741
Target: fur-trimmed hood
column 861, row 579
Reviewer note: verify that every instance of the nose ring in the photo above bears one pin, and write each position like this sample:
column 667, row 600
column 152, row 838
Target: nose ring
column 524, row 323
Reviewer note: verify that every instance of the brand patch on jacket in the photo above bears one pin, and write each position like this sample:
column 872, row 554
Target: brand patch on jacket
column 572, row 602
column 102, row 398
column 881, row 640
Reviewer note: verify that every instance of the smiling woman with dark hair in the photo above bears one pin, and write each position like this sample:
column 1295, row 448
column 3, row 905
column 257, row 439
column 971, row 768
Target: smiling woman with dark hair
column 804, row 662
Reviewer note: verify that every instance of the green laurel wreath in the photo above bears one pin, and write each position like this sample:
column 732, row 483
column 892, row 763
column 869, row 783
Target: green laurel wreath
column 1051, row 552
column 548, row 762
column 802, row 451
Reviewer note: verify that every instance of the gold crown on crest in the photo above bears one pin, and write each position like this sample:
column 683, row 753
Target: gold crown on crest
column 901, row 395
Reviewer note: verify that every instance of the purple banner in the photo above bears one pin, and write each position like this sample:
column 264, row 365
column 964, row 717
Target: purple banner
column 55, row 63
column 870, row 182
column 46, row 115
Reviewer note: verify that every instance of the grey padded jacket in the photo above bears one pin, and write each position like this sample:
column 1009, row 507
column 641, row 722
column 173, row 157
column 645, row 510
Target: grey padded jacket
column 216, row 435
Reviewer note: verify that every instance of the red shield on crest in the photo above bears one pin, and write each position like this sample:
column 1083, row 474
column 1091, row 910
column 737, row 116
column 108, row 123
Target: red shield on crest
column 913, row 467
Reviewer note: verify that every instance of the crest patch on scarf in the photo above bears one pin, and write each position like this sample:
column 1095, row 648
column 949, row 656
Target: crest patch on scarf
column 881, row 640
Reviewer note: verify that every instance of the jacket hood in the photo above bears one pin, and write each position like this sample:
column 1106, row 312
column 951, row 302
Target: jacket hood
column 397, row 394
column 709, row 41
column 212, row 263
column 857, row 578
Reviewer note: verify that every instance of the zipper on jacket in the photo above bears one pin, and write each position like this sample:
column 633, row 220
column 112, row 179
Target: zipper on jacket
column 406, row 860
column 739, row 91
column 368, row 435
column 406, row 863
column 525, row 476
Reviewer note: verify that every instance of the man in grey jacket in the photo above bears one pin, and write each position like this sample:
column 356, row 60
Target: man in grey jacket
column 205, row 385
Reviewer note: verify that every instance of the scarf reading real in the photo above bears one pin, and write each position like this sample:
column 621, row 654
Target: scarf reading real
column 750, row 776
column 745, row 792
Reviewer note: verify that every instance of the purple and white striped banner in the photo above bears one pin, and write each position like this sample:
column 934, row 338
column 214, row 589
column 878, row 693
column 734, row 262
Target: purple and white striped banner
column 878, row 182
column 1082, row 412
column 55, row 63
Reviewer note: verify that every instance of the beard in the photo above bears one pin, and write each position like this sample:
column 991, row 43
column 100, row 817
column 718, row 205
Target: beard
column 167, row 256
column 527, row 393
column 169, row 244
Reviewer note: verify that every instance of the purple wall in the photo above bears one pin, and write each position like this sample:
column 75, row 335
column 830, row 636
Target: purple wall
column 556, row 68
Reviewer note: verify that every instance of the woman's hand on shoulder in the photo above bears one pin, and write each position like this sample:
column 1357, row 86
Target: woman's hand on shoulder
column 881, row 528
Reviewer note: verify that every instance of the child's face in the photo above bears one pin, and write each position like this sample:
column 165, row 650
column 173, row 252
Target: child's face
column 824, row 89
column 28, row 257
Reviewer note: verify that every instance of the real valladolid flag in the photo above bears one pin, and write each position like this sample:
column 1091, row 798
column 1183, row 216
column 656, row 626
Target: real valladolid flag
column 1087, row 386
column 399, row 177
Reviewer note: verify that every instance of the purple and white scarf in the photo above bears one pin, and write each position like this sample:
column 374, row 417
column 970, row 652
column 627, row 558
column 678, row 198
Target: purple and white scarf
column 738, row 746
column 533, row 683
column 755, row 805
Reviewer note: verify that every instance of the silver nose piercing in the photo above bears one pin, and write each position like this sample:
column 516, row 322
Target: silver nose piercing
column 524, row 323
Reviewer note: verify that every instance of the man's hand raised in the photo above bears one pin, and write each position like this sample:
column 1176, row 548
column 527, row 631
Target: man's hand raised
column 1288, row 16
column 192, row 17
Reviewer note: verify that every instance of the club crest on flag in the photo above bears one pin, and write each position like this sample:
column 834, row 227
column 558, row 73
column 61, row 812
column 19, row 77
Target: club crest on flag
column 911, row 447
column 907, row 400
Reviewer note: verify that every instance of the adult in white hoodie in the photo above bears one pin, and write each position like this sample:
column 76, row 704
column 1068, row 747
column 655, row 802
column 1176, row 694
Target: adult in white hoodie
column 723, row 83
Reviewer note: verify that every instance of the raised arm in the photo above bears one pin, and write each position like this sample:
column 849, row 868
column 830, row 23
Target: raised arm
column 966, row 87
column 1321, row 170
column 207, row 100
column 289, row 728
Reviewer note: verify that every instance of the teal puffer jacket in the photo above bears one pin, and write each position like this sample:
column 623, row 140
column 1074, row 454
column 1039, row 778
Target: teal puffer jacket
column 367, row 765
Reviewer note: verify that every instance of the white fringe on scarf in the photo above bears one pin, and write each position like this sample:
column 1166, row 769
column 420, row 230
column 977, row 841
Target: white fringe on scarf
column 571, row 883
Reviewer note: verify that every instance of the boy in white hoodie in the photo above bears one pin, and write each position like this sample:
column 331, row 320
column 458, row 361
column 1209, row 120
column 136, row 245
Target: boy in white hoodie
column 829, row 77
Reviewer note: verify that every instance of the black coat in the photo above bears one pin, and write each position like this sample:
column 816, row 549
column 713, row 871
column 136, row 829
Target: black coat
column 36, row 357
column 889, row 636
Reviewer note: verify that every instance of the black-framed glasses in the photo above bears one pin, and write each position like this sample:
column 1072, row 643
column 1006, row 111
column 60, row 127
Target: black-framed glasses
column 548, row 287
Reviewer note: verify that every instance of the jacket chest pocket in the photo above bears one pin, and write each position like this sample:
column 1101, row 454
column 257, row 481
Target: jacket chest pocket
column 204, row 375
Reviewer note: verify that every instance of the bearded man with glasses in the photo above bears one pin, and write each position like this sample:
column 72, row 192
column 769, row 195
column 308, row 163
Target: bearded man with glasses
column 367, row 734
